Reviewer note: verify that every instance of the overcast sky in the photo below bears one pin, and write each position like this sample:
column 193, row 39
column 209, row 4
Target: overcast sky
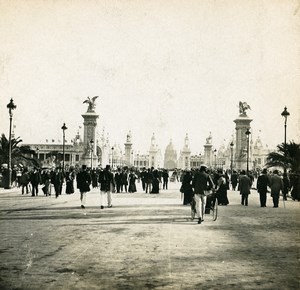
column 168, row 67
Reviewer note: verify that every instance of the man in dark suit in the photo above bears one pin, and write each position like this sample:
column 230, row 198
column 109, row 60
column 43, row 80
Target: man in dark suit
column 165, row 176
column 276, row 185
column 84, row 180
column 262, row 187
column 118, row 179
column 35, row 179
column 201, row 183
column 58, row 181
column 107, row 185
column 244, row 187
column 234, row 179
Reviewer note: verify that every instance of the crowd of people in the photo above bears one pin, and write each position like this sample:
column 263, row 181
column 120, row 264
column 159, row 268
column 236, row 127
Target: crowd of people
column 51, row 181
column 195, row 183
column 198, row 183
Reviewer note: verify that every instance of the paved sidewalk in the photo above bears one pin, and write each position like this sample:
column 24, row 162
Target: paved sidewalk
column 146, row 242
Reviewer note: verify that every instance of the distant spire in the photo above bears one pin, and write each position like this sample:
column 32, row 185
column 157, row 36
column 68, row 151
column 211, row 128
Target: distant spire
column 153, row 139
column 186, row 140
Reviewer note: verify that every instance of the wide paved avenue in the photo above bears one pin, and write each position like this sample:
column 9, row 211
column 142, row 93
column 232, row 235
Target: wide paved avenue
column 146, row 242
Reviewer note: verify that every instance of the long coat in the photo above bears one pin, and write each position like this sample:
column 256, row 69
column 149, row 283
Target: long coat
column 106, row 180
column 35, row 178
column 244, row 185
column 187, row 188
column 262, row 183
column 83, row 181
column 276, row 185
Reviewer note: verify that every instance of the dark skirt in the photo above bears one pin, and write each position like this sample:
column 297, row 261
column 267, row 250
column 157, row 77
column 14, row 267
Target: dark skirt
column 69, row 187
column 222, row 196
column 155, row 186
column 132, row 187
column 188, row 196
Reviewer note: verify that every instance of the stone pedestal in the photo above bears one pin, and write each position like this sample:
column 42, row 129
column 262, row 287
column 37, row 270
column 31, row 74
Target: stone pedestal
column 208, row 154
column 128, row 150
column 90, row 123
column 240, row 157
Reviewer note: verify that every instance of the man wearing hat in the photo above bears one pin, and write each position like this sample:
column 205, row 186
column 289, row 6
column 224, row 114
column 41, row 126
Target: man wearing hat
column 262, row 187
column 244, row 187
column 107, row 185
column 83, row 184
column 201, row 183
column 276, row 185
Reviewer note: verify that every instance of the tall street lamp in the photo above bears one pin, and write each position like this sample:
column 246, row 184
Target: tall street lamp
column 112, row 157
column 11, row 106
column 92, row 147
column 37, row 153
column 64, row 128
column 285, row 114
column 231, row 156
column 248, row 133
column 215, row 151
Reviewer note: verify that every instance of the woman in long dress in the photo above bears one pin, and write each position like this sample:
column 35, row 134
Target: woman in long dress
column 222, row 190
column 70, row 176
column 186, row 188
column 132, row 179
column 155, row 182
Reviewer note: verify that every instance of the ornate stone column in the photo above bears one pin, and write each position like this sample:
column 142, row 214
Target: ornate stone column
column 128, row 148
column 208, row 156
column 89, row 134
column 242, row 124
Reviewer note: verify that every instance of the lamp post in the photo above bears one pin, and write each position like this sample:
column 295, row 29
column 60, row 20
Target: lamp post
column 64, row 128
column 285, row 114
column 11, row 106
column 199, row 162
column 215, row 151
column 248, row 133
column 138, row 161
column 37, row 153
column 92, row 148
column 112, row 157
column 231, row 156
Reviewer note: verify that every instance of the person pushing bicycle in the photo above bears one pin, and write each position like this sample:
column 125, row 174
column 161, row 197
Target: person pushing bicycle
column 201, row 183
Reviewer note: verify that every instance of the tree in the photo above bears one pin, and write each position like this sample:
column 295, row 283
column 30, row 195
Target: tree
column 19, row 154
column 286, row 157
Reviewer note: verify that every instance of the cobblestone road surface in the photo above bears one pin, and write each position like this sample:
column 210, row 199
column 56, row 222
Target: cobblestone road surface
column 146, row 242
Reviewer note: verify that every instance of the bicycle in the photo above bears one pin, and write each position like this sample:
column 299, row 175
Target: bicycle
column 211, row 206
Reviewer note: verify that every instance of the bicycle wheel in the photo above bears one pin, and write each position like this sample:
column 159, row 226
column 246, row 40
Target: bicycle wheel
column 215, row 210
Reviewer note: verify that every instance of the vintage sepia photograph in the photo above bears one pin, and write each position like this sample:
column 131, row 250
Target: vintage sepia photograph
column 149, row 144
